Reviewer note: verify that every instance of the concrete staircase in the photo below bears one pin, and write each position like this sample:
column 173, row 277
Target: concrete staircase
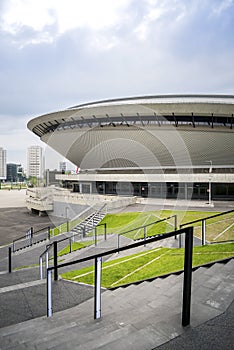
column 136, row 317
column 83, row 228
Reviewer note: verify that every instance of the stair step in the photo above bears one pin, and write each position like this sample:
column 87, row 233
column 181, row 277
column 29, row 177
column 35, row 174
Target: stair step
column 216, row 268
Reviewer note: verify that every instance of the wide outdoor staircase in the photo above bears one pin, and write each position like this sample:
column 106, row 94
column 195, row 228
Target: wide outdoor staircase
column 139, row 316
column 87, row 225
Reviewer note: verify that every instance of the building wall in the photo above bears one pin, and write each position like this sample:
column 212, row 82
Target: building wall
column 3, row 167
column 35, row 161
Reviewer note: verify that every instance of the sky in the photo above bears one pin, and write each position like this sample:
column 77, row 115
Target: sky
column 55, row 54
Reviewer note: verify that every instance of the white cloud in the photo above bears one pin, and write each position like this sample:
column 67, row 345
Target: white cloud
column 19, row 13
column 62, row 16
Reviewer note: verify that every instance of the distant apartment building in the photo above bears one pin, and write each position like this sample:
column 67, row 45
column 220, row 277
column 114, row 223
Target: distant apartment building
column 63, row 167
column 35, row 161
column 14, row 172
column 3, row 168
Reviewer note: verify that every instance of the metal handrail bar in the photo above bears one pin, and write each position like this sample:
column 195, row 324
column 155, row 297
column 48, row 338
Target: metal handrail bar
column 203, row 221
column 206, row 218
column 152, row 223
column 120, row 249
column 23, row 237
column 186, row 305
column 158, row 237
column 42, row 229
column 46, row 253
column 30, row 237
column 49, row 246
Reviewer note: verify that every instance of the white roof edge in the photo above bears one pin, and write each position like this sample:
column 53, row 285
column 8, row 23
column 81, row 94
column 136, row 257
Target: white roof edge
column 226, row 99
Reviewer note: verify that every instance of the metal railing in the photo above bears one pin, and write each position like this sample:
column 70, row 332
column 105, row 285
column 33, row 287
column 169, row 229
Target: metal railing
column 31, row 237
column 145, row 228
column 186, row 305
column 203, row 226
column 70, row 240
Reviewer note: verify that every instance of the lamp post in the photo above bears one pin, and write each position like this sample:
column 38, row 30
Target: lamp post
column 210, row 172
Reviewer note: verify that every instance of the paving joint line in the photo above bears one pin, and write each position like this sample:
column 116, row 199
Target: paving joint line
column 21, row 286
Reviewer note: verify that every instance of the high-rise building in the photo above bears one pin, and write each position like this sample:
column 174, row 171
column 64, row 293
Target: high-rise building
column 3, row 168
column 14, row 172
column 63, row 167
column 35, row 162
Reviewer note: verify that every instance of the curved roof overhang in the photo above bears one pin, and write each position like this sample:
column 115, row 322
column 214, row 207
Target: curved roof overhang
column 209, row 110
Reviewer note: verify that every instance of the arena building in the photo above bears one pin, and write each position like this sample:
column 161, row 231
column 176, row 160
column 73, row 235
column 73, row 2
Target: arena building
column 165, row 146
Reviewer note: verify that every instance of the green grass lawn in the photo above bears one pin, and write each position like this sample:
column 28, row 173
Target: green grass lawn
column 217, row 229
column 150, row 263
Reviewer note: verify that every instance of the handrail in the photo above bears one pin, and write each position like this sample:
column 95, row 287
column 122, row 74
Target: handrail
column 206, row 218
column 29, row 236
column 152, row 223
column 98, row 264
column 46, row 252
column 203, row 221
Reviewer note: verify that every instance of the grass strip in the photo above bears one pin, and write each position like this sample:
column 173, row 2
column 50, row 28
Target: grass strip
column 75, row 246
column 150, row 264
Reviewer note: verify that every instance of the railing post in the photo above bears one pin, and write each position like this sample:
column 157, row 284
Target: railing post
column 97, row 295
column 47, row 259
column 48, row 233
column 41, row 267
column 9, row 260
column 70, row 243
column 55, row 261
column 180, row 240
column 96, row 235
column 175, row 224
column 31, row 235
column 188, row 256
column 105, row 231
column 203, row 232
column 49, row 293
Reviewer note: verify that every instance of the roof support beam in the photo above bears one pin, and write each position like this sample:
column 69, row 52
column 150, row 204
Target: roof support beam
column 140, row 119
column 193, row 120
column 159, row 124
column 176, row 121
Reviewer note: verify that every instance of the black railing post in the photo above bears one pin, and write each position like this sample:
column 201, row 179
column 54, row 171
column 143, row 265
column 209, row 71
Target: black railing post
column 180, row 240
column 97, row 286
column 188, row 257
column 70, row 243
column 105, row 230
column 9, row 260
column 203, row 232
column 48, row 233
column 175, row 225
column 55, row 261
column 96, row 235
column 31, row 235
